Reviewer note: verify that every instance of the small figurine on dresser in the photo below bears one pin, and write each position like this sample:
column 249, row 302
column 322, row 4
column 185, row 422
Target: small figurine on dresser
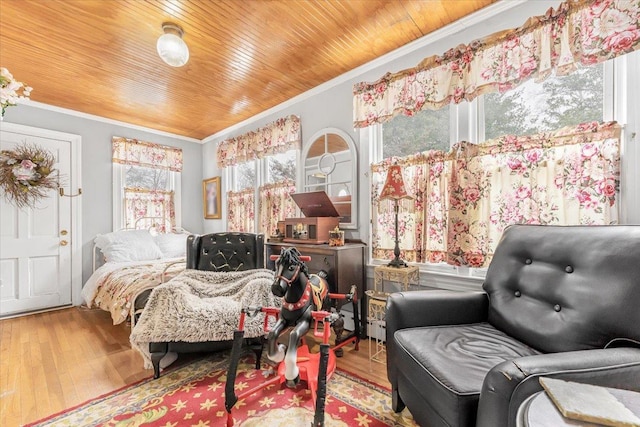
column 336, row 237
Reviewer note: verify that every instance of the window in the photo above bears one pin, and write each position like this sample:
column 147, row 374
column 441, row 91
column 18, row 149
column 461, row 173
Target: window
column 427, row 130
column 281, row 167
column 256, row 201
column 244, row 176
column 552, row 104
column 586, row 95
column 145, row 192
column 146, row 184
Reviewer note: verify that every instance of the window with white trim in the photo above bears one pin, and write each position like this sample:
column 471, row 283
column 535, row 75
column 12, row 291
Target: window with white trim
column 146, row 184
column 583, row 96
column 246, row 182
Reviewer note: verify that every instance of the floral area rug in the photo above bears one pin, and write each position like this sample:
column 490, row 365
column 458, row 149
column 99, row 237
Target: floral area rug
column 193, row 395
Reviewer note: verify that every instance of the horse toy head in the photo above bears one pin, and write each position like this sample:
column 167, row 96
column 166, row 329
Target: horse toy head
column 290, row 271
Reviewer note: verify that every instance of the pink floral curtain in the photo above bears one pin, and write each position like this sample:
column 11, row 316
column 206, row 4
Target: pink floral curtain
column 128, row 151
column 276, row 205
column 422, row 220
column 241, row 210
column 142, row 203
column 464, row 199
column 277, row 137
column 579, row 32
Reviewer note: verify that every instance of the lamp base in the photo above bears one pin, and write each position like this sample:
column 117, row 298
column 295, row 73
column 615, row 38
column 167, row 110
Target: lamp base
column 398, row 263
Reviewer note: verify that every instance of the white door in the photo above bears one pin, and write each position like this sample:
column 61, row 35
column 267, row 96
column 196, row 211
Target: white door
column 36, row 243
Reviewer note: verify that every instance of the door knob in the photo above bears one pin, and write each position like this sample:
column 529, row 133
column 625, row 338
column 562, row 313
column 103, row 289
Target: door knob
column 63, row 232
column 63, row 243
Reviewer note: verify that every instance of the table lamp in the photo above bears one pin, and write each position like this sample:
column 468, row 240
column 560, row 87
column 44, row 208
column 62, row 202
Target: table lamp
column 394, row 189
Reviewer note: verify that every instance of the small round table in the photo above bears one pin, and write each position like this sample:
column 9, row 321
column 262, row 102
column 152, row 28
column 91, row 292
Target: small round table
column 540, row 411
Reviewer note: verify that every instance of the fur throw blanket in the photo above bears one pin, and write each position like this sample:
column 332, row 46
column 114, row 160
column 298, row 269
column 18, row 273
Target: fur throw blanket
column 200, row 306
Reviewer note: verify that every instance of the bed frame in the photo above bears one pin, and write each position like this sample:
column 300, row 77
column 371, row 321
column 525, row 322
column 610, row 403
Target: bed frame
column 228, row 251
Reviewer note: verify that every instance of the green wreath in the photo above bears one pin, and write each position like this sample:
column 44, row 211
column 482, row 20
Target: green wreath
column 26, row 175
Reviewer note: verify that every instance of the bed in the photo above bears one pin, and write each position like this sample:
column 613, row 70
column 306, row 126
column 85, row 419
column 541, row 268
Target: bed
column 198, row 310
column 128, row 264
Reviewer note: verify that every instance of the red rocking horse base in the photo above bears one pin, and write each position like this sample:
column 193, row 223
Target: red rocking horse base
column 309, row 363
column 305, row 299
column 314, row 368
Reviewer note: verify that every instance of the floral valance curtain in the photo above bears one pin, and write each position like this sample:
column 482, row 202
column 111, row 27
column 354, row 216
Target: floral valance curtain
column 579, row 32
column 276, row 205
column 241, row 210
column 128, row 151
column 464, row 199
column 143, row 203
column 277, row 137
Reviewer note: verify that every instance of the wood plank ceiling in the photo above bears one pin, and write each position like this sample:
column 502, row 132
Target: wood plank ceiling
column 99, row 56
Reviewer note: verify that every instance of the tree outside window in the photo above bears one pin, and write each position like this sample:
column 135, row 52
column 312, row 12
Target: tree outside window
column 405, row 135
column 552, row 104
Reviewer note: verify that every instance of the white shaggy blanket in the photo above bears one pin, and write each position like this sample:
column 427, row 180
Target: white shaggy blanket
column 200, row 306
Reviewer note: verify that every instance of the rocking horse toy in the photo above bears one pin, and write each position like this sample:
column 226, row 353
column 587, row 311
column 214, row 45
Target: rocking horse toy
column 306, row 299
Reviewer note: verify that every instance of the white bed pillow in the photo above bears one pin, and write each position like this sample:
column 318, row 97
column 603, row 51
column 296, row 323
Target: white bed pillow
column 172, row 245
column 128, row 245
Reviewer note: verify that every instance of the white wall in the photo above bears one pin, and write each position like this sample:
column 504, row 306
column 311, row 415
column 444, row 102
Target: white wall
column 97, row 192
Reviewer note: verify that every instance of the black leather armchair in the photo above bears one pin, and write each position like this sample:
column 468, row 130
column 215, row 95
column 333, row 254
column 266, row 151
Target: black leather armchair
column 560, row 302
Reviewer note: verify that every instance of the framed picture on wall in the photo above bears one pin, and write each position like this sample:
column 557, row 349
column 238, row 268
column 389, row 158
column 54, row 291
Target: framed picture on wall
column 211, row 198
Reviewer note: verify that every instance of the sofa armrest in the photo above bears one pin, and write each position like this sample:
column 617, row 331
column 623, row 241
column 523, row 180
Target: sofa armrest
column 429, row 308
column 509, row 384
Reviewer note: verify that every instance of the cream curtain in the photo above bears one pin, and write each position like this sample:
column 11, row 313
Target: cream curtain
column 277, row 137
column 143, row 203
column 465, row 198
column 276, row 204
column 241, row 210
column 579, row 32
column 128, row 151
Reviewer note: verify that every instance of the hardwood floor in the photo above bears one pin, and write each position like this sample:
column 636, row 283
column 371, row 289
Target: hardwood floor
column 55, row 360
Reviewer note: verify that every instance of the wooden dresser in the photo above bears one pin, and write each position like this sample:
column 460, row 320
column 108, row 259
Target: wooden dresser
column 344, row 266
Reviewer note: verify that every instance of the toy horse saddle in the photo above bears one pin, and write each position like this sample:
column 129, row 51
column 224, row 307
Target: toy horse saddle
column 319, row 288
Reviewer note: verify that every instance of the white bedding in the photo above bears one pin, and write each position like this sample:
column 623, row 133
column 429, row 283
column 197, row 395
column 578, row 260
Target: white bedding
column 115, row 285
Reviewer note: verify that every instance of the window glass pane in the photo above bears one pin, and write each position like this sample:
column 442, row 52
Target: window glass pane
column 281, row 167
column 245, row 176
column 147, row 178
column 552, row 104
column 427, row 130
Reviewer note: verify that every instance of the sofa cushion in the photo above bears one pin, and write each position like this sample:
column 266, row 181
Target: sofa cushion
column 447, row 364
column 553, row 287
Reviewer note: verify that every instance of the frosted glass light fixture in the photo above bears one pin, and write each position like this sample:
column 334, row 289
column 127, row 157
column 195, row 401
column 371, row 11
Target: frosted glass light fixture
column 171, row 48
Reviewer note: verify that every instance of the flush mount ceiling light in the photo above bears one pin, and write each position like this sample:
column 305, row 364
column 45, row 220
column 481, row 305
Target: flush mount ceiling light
column 171, row 48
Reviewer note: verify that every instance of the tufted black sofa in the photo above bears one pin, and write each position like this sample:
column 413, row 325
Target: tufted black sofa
column 560, row 302
column 227, row 251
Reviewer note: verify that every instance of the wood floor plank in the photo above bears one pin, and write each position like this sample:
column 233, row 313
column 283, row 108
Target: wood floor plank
column 10, row 410
column 56, row 360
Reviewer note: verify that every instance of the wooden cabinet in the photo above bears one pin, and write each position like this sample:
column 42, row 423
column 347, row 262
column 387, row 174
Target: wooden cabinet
column 344, row 266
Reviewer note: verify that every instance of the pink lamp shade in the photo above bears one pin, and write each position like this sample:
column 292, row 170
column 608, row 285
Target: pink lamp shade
column 394, row 186
column 394, row 189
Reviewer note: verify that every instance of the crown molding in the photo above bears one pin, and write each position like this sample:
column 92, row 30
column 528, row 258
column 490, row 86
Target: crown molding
column 42, row 106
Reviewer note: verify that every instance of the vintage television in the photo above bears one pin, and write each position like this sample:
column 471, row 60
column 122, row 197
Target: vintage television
column 320, row 217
